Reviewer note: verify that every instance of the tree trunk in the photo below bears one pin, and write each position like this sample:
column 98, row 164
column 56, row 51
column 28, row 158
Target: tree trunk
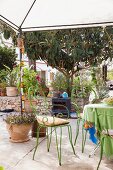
column 104, row 72
column 69, row 84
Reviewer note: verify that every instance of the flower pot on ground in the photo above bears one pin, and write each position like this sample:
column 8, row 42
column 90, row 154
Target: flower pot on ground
column 19, row 126
column 19, row 133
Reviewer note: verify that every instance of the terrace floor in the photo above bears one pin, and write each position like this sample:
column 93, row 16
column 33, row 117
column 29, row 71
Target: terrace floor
column 18, row 156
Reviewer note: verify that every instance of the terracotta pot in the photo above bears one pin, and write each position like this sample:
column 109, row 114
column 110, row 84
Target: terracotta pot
column 11, row 91
column 2, row 92
column 19, row 133
column 29, row 105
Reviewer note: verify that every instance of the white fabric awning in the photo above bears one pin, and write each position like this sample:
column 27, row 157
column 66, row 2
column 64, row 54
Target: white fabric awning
column 56, row 14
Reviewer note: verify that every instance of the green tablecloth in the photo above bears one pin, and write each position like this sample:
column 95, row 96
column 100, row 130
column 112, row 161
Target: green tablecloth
column 92, row 114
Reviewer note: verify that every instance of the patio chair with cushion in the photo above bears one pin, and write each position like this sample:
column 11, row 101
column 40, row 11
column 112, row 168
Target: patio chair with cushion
column 52, row 123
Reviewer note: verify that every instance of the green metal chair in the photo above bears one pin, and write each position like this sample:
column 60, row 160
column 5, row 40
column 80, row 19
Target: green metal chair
column 79, row 120
column 53, row 123
column 105, row 133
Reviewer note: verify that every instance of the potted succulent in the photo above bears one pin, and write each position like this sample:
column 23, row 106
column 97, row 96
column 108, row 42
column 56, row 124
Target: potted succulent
column 19, row 125
column 11, row 80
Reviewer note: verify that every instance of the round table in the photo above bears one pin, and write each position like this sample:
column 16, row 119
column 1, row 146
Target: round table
column 91, row 113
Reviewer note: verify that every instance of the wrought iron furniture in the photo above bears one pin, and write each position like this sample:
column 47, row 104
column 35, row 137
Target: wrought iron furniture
column 53, row 123
column 58, row 108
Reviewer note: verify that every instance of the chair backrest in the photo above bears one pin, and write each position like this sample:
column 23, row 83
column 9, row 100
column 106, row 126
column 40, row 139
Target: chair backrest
column 61, row 110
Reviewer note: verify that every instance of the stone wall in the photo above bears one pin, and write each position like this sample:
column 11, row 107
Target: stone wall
column 14, row 103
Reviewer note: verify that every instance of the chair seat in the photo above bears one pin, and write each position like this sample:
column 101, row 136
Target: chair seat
column 51, row 121
column 108, row 132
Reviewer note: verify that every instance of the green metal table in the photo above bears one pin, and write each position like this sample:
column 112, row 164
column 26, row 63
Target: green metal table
column 91, row 114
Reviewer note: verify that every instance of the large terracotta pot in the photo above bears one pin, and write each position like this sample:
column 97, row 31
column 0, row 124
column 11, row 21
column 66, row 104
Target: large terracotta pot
column 19, row 133
column 11, row 91
column 29, row 106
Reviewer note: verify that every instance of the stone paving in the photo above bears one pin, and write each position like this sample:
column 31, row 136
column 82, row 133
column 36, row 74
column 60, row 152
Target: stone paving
column 18, row 156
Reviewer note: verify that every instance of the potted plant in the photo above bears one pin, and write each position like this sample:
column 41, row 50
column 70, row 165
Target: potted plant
column 11, row 79
column 3, row 83
column 30, row 88
column 19, row 125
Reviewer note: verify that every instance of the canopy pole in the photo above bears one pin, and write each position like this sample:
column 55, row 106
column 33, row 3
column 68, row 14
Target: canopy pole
column 21, row 51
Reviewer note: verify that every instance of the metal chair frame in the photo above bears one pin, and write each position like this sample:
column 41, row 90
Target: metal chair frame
column 49, row 135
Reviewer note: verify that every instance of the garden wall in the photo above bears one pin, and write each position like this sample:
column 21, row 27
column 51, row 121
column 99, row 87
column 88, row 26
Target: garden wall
column 14, row 103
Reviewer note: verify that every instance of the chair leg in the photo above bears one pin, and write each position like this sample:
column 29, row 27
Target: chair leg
column 37, row 141
column 58, row 148
column 101, row 153
column 83, row 139
column 95, row 149
column 77, row 131
column 49, row 137
column 70, row 138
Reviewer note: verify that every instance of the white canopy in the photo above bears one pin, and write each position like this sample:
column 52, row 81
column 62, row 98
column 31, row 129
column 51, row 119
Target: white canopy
column 56, row 14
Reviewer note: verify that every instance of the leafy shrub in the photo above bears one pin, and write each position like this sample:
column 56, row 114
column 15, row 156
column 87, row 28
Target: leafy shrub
column 81, row 89
column 18, row 118
column 7, row 57
column 59, row 83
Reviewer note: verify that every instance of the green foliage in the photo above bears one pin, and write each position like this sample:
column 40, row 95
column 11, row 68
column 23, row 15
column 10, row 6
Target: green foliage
column 17, row 118
column 65, row 49
column 11, row 77
column 59, row 83
column 7, row 57
column 3, row 74
column 110, row 75
column 81, row 88
column 99, row 84
column 30, row 83
column 6, row 34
